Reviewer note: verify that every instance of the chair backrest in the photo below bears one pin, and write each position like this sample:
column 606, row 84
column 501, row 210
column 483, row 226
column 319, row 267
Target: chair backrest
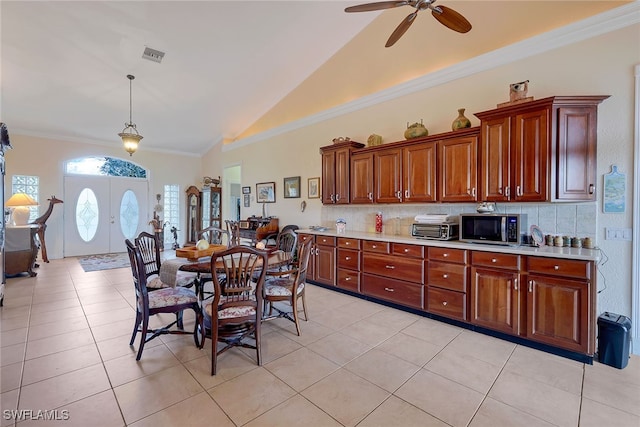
column 233, row 228
column 239, row 277
column 215, row 235
column 149, row 249
column 137, row 270
column 287, row 242
column 289, row 227
column 304, row 252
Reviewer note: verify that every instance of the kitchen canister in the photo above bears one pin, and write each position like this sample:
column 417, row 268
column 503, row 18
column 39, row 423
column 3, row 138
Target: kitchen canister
column 587, row 242
column 576, row 242
column 557, row 241
column 379, row 222
column 341, row 226
column 566, row 241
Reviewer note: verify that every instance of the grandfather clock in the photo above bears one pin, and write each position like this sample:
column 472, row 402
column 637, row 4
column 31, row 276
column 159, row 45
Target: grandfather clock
column 193, row 215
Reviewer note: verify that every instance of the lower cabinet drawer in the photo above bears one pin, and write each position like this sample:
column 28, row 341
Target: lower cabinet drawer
column 560, row 267
column 348, row 258
column 394, row 267
column 447, row 303
column 348, row 279
column 446, row 275
column 404, row 293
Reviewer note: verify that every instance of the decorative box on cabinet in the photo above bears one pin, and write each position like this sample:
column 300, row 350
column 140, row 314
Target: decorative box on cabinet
column 348, row 261
column 336, row 161
column 447, row 282
column 393, row 272
column 540, row 150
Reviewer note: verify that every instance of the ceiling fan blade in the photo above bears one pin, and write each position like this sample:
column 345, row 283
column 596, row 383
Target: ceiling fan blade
column 401, row 29
column 451, row 19
column 368, row 7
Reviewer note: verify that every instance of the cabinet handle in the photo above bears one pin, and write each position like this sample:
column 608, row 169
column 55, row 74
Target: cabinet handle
column 499, row 190
column 530, row 285
column 347, row 258
column 592, row 188
column 518, row 191
column 399, row 194
column 444, row 303
column 494, row 260
column 347, row 278
column 507, row 191
column 445, row 255
column 389, row 289
column 556, row 267
column 370, row 196
column 347, row 243
column 390, row 267
column 373, row 246
column 406, row 250
column 515, row 284
column 337, row 198
column 472, row 192
column 406, row 194
column 445, row 276
column 332, row 198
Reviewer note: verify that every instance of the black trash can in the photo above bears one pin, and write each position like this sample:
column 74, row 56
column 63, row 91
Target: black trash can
column 614, row 339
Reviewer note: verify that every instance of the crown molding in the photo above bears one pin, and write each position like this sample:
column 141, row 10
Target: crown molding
column 593, row 26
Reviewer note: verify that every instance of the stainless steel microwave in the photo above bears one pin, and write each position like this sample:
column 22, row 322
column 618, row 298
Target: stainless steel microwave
column 498, row 229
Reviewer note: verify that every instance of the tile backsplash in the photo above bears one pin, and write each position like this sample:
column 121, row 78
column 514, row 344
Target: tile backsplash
column 571, row 219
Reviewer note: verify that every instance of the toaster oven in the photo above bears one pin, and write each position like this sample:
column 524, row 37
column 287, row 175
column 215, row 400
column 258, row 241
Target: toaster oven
column 435, row 231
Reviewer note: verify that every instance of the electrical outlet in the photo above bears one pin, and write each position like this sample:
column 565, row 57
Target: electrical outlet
column 618, row 233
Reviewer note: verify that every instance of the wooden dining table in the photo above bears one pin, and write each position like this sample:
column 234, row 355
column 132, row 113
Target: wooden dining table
column 202, row 267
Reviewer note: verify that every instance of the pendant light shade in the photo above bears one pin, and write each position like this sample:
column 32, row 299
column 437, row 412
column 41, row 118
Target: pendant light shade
column 130, row 136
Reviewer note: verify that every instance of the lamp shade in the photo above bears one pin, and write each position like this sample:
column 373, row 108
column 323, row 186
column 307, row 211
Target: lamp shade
column 20, row 202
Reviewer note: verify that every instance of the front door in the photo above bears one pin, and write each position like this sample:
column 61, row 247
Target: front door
column 102, row 212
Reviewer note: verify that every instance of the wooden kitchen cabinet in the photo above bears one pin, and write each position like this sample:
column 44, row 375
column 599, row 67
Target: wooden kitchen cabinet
column 336, row 163
column 323, row 258
column 447, row 282
column 458, row 171
column 362, row 178
column 495, row 291
column 393, row 272
column 395, row 175
column 560, row 306
column 539, row 151
column 348, row 262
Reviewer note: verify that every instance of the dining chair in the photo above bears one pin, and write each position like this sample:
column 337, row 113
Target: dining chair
column 233, row 228
column 272, row 239
column 289, row 287
column 215, row 235
column 165, row 300
column 286, row 242
column 236, row 310
column 150, row 252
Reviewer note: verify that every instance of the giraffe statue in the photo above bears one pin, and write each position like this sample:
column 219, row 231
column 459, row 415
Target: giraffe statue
column 41, row 221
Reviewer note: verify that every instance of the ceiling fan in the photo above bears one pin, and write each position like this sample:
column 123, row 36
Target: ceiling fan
column 446, row 16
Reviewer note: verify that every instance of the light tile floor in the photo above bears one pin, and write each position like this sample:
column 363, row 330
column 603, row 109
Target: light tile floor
column 65, row 335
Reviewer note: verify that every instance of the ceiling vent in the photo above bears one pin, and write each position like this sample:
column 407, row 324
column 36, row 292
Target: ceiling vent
column 152, row 55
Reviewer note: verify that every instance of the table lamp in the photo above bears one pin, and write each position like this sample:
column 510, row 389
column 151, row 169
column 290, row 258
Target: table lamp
column 20, row 203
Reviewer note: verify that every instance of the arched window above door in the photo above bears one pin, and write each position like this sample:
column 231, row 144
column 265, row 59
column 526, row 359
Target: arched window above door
column 105, row 166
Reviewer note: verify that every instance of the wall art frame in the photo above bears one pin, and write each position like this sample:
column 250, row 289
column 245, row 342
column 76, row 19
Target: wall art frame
column 292, row 187
column 313, row 188
column 266, row 192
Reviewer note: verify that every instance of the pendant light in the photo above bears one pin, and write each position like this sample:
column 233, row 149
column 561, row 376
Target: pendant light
column 130, row 136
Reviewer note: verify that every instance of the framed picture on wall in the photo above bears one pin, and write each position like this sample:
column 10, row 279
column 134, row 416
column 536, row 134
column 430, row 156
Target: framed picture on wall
column 266, row 192
column 247, row 200
column 292, row 187
column 313, row 188
column 246, row 190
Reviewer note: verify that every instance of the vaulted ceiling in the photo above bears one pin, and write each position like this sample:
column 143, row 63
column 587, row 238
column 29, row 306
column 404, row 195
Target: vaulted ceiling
column 231, row 68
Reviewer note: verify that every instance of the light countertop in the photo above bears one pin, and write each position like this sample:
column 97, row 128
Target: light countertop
column 544, row 251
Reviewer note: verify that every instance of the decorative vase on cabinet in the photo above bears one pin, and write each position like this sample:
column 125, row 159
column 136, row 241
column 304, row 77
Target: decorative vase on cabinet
column 461, row 122
column 415, row 130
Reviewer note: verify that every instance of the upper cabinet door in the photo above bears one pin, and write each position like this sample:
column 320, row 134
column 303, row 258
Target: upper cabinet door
column 531, row 156
column 458, row 169
column 328, row 177
column 362, row 178
column 577, row 133
column 387, row 173
column 419, row 173
column 343, row 163
column 495, row 160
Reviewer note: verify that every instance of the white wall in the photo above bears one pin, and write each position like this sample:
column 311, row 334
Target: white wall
column 46, row 158
column 602, row 65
